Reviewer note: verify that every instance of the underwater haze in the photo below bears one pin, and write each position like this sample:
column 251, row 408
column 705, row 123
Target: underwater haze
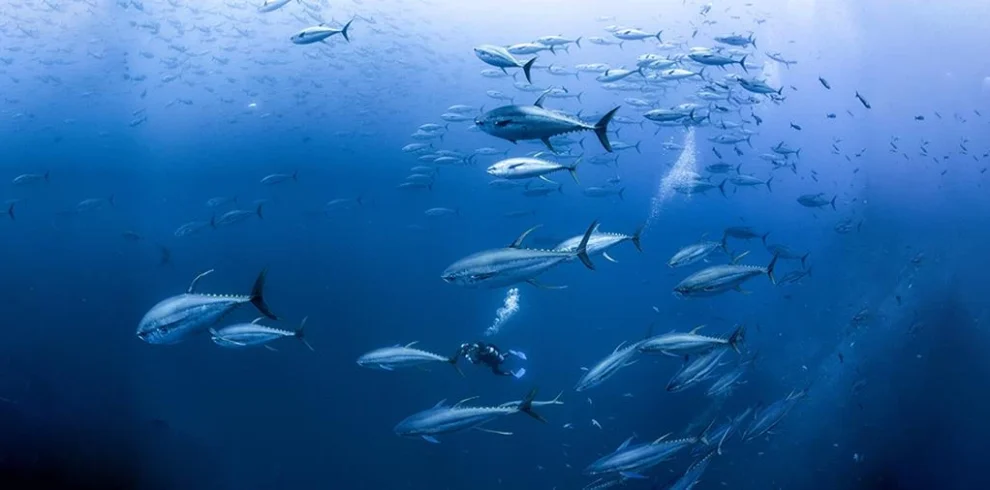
column 765, row 269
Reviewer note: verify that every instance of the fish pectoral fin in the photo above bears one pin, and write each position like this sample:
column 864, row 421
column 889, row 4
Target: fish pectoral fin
column 491, row 431
column 385, row 368
column 741, row 290
column 546, row 141
column 535, row 283
column 609, row 258
column 271, row 348
column 430, row 439
column 545, row 179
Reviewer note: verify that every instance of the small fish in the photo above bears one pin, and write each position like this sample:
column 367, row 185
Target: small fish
column 279, row 178
column 863, row 101
column 824, row 83
column 795, row 126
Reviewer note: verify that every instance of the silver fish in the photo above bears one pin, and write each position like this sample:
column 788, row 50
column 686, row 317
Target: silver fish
column 443, row 419
column 176, row 318
column 607, row 367
column 721, row 278
column 506, row 266
column 600, row 243
column 679, row 344
column 398, row 357
column 241, row 335
column 517, row 122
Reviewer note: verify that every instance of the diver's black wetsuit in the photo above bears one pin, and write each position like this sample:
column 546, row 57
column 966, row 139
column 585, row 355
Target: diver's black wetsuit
column 487, row 354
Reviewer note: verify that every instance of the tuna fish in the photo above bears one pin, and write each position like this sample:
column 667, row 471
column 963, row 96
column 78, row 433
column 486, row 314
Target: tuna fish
column 816, row 200
column 695, row 371
column 513, row 264
column 525, row 168
column 767, row 418
column 398, row 357
column 604, row 369
column 253, row 334
column 629, row 460
column 319, row 33
column 499, row 57
column 600, row 243
column 443, row 419
column 679, row 344
column 517, row 122
column 718, row 279
column 177, row 318
column 696, row 252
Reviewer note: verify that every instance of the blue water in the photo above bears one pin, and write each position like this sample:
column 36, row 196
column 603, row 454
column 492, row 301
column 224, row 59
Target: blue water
column 164, row 105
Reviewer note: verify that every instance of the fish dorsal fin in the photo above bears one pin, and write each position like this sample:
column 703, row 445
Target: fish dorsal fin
column 465, row 400
column 517, row 243
column 661, row 438
column 624, row 444
column 695, row 329
column 410, row 344
column 539, row 101
column 192, row 285
column 256, row 320
column 440, row 403
column 619, row 347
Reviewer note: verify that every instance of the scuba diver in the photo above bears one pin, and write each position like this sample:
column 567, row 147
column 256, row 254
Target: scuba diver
column 491, row 356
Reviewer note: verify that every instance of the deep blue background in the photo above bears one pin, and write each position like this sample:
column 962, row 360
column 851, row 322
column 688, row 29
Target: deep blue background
column 83, row 396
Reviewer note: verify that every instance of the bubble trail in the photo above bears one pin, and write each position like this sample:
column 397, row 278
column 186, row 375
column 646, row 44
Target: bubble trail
column 682, row 172
column 509, row 308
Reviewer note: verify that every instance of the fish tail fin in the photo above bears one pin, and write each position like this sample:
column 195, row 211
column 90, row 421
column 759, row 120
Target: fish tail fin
column 621, row 192
column 295, row 175
column 601, row 129
column 742, row 63
column 573, row 171
column 526, row 406
column 582, row 250
column 213, row 221
column 10, row 211
column 258, row 211
column 773, row 263
column 112, row 201
column 764, row 238
column 636, row 237
column 636, row 146
column 658, row 35
column 48, row 174
column 737, row 338
column 344, row 30
column 620, row 44
column 739, row 169
column 832, row 202
column 798, row 153
column 721, row 188
column 769, row 189
column 749, row 141
column 300, row 334
column 527, row 67
column 804, row 259
column 258, row 295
